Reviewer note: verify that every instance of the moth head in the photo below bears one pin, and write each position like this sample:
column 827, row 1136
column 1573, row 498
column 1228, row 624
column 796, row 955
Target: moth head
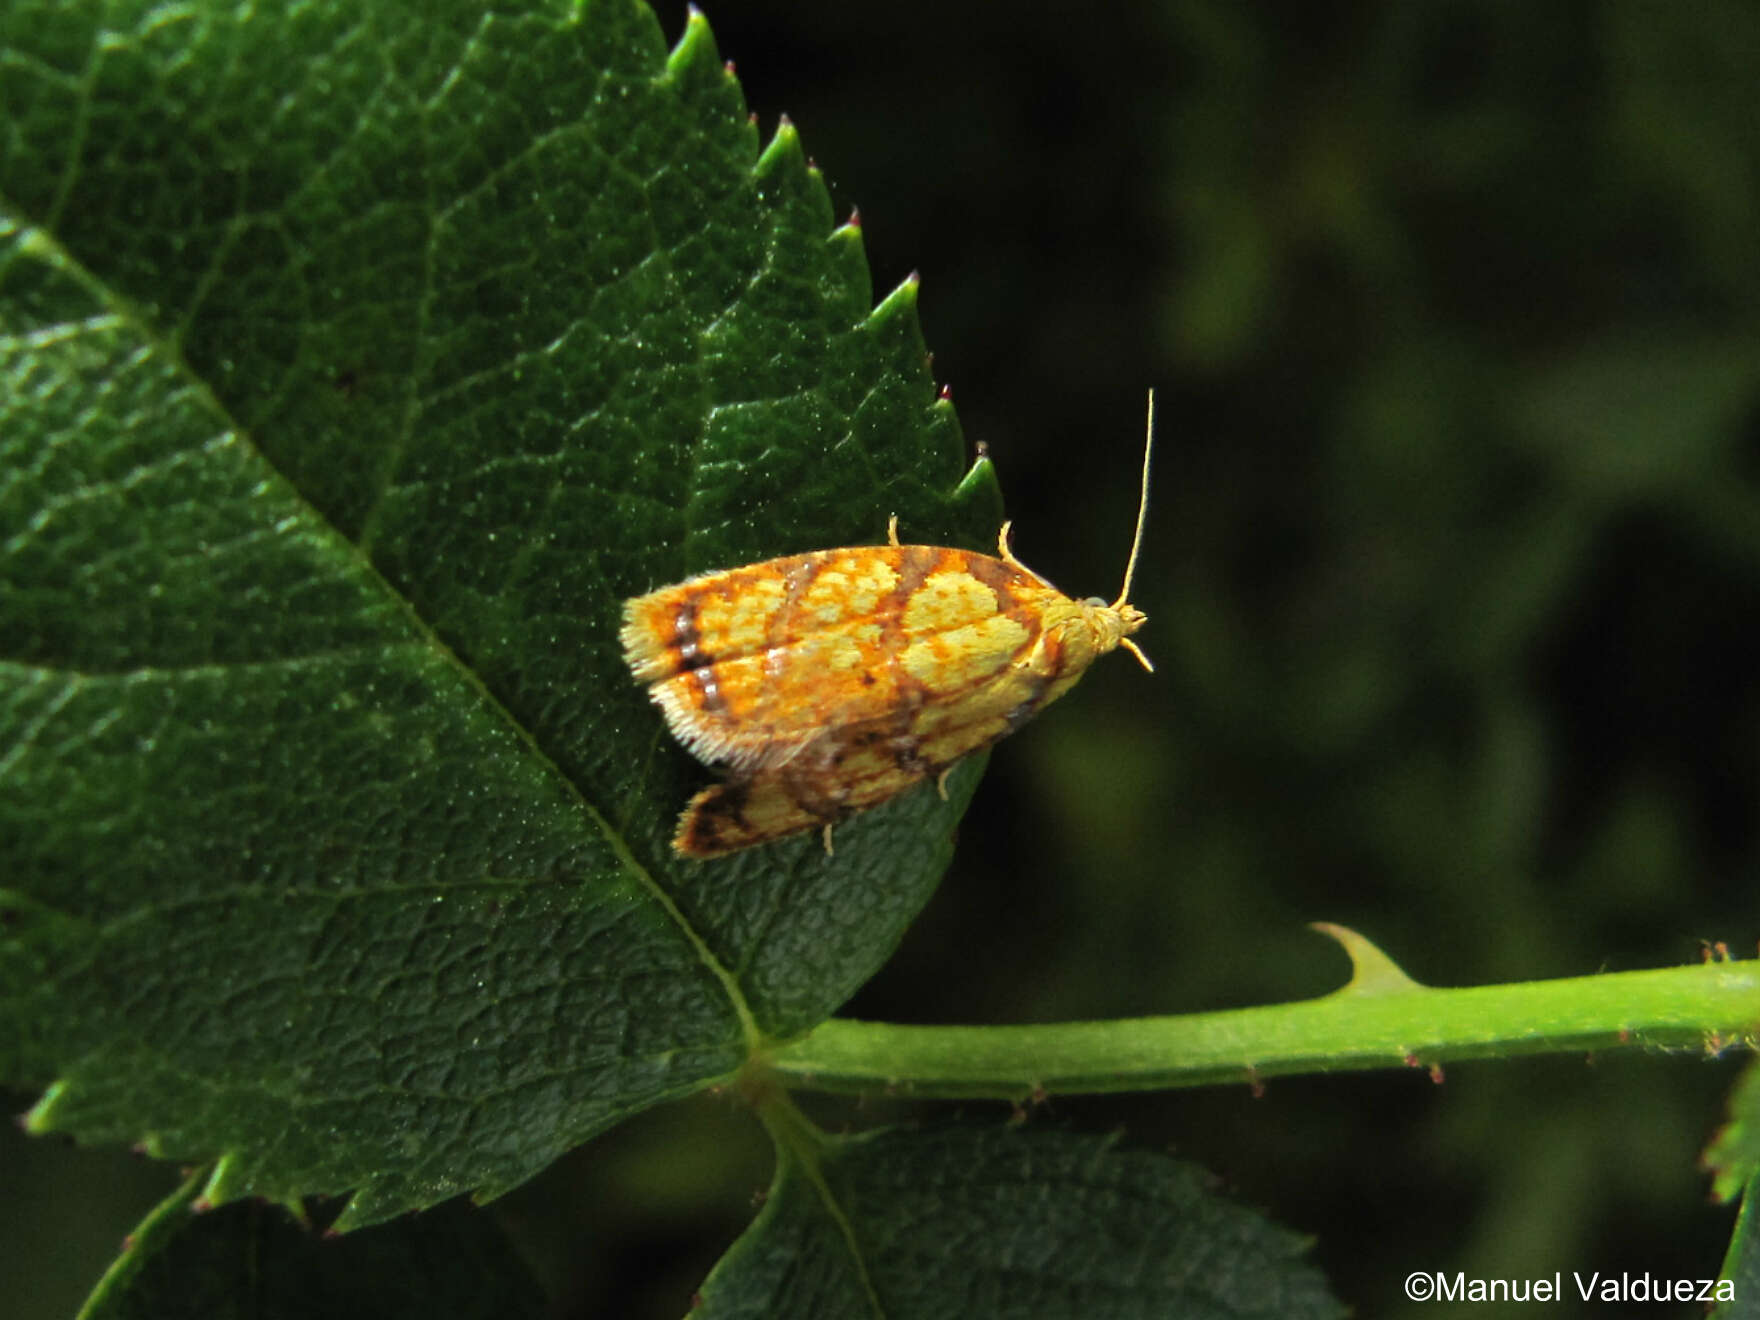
column 1111, row 626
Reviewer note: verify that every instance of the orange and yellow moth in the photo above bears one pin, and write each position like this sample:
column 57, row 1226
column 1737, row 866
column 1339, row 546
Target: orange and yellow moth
column 825, row 683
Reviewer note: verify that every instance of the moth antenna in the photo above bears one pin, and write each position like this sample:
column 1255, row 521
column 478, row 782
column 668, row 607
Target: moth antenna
column 1142, row 506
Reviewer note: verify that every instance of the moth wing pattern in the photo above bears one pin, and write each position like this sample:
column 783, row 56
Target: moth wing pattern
column 770, row 665
column 857, row 768
column 739, row 813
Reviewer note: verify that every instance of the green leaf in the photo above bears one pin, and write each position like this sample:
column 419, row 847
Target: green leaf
column 1734, row 1154
column 254, row 1260
column 966, row 1221
column 358, row 360
column 1740, row 1274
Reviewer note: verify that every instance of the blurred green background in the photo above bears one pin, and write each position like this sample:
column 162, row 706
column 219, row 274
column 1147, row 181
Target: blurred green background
column 1452, row 567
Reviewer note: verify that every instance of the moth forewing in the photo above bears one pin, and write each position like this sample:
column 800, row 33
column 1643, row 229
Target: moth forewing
column 827, row 683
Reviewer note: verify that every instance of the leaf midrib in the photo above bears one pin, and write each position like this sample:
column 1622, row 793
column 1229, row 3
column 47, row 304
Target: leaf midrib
column 37, row 243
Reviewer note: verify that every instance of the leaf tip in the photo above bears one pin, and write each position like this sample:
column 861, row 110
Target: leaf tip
column 1733, row 1156
column 39, row 1119
column 695, row 50
column 897, row 306
column 782, row 153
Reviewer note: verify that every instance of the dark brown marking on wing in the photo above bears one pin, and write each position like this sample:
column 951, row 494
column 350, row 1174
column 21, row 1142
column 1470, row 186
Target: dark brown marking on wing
column 687, row 641
column 915, row 563
column 712, row 815
column 812, row 781
column 999, row 577
column 905, row 745
column 709, row 691
column 797, row 578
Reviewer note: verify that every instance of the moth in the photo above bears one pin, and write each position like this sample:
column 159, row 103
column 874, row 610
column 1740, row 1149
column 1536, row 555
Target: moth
column 826, row 683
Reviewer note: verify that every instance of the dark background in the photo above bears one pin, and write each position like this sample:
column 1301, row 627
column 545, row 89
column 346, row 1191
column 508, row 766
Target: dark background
column 1452, row 571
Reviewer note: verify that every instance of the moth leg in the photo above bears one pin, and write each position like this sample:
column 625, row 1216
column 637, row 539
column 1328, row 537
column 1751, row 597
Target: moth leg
column 892, row 530
column 941, row 782
column 825, row 834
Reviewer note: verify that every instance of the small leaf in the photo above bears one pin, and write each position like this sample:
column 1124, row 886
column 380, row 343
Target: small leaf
column 1740, row 1274
column 256, row 1260
column 1734, row 1154
column 966, row 1221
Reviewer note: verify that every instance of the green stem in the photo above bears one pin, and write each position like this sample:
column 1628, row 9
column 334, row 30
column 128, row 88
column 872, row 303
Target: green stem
column 1381, row 1019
